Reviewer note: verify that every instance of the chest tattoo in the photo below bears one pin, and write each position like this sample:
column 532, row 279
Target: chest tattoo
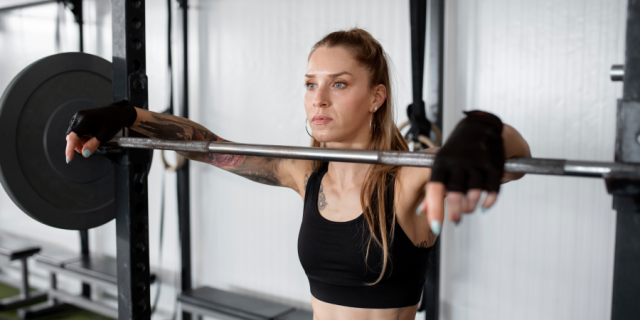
column 423, row 244
column 322, row 199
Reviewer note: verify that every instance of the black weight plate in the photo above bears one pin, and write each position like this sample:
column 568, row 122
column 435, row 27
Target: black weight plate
column 35, row 111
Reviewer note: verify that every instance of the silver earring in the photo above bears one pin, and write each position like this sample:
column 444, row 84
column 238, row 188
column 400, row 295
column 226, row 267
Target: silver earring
column 371, row 120
column 374, row 126
column 306, row 122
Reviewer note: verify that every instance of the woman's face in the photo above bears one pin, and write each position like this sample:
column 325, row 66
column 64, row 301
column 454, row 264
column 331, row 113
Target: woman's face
column 339, row 101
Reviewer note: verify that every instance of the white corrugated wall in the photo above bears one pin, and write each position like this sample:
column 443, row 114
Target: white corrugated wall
column 250, row 70
column 544, row 252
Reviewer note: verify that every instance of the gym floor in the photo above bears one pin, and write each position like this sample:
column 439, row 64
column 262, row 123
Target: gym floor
column 69, row 313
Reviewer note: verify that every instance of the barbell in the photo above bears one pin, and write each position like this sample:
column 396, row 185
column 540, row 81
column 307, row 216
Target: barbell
column 37, row 105
column 576, row 168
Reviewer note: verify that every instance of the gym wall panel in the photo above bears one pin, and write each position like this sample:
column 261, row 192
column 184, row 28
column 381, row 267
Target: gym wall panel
column 249, row 73
column 546, row 250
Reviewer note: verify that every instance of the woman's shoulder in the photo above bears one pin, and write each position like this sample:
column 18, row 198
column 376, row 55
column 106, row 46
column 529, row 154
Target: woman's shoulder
column 300, row 172
column 410, row 190
column 412, row 176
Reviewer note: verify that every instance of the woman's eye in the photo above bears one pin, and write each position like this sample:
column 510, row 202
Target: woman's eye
column 310, row 86
column 340, row 85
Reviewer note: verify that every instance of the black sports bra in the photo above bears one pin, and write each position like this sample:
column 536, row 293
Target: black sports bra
column 333, row 257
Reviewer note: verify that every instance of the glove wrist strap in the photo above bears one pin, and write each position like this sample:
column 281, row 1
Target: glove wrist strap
column 485, row 117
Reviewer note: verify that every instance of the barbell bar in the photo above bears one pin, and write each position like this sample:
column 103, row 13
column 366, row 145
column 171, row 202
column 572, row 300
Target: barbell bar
column 559, row 167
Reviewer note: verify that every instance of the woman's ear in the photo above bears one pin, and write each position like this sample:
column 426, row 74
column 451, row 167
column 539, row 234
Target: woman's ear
column 379, row 96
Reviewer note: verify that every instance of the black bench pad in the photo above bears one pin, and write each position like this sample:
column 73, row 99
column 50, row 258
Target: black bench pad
column 56, row 257
column 233, row 304
column 14, row 249
column 103, row 268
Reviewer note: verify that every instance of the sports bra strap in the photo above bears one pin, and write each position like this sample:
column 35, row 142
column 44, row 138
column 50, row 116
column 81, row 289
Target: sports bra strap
column 312, row 184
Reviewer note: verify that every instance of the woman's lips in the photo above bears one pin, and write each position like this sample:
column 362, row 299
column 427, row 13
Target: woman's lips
column 318, row 119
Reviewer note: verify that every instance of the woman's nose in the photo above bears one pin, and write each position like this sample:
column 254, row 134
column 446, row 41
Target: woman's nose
column 321, row 97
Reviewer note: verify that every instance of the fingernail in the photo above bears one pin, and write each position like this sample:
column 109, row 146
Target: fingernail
column 484, row 210
column 86, row 153
column 435, row 227
column 456, row 223
column 67, row 159
column 419, row 211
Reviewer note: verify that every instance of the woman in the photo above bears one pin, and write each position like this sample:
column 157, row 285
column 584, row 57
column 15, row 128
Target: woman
column 364, row 240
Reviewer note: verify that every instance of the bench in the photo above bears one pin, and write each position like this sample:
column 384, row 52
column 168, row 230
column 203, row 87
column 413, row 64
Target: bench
column 95, row 270
column 13, row 249
column 212, row 302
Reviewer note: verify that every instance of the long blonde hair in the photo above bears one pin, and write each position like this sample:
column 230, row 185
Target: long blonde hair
column 384, row 136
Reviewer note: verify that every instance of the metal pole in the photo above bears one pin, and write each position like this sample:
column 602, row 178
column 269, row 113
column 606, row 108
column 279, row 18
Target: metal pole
column 433, row 102
column 84, row 251
column 27, row 5
column 131, row 166
column 184, row 208
column 559, row 167
column 25, row 289
column 420, row 124
column 435, row 74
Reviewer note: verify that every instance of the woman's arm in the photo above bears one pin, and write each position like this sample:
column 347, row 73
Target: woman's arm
column 271, row 171
column 514, row 147
column 414, row 180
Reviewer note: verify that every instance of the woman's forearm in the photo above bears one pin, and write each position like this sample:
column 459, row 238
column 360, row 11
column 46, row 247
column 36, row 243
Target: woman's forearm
column 514, row 144
column 170, row 127
column 514, row 147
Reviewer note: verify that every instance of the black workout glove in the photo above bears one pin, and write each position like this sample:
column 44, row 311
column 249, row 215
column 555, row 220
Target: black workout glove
column 104, row 122
column 473, row 156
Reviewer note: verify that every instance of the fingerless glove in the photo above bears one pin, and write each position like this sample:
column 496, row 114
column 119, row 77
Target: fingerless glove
column 104, row 122
column 473, row 156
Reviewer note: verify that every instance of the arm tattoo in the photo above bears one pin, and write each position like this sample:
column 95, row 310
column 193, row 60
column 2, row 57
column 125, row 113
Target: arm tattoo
column 168, row 130
column 216, row 159
column 322, row 199
column 167, row 127
column 176, row 128
column 306, row 180
column 264, row 176
column 223, row 160
column 259, row 169
column 423, row 244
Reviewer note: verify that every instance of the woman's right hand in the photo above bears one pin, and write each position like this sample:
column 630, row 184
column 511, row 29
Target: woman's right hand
column 89, row 128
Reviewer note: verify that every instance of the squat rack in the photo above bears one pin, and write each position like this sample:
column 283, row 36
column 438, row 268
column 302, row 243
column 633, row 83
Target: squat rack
column 625, row 188
column 132, row 165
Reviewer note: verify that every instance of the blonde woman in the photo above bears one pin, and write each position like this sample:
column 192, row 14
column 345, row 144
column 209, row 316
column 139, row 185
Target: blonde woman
column 367, row 229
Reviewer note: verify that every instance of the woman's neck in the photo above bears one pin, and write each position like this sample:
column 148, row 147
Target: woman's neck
column 347, row 174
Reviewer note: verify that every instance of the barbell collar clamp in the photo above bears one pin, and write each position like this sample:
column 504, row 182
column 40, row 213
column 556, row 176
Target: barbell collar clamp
column 617, row 72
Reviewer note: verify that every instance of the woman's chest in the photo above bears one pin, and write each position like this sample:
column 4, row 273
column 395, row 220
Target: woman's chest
column 339, row 204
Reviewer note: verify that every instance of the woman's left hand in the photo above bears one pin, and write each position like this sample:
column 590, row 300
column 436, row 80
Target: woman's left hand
column 471, row 161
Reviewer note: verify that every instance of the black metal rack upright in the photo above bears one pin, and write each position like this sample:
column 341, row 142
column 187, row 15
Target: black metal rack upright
column 427, row 27
column 626, row 190
column 132, row 166
column 184, row 208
